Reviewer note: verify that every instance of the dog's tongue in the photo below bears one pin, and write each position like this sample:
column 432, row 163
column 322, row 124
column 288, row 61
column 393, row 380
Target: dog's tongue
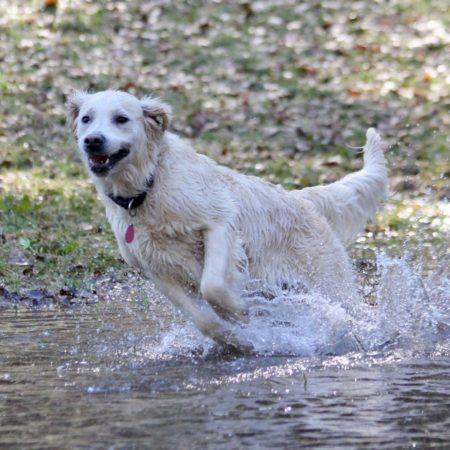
column 98, row 159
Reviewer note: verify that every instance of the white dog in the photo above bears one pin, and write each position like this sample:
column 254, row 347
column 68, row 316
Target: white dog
column 200, row 230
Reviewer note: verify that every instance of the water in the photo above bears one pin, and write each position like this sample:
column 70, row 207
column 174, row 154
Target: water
column 129, row 372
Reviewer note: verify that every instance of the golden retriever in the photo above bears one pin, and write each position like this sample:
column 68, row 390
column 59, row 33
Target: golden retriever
column 200, row 230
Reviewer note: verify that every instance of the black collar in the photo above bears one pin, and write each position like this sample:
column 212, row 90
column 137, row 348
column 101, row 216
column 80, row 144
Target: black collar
column 129, row 203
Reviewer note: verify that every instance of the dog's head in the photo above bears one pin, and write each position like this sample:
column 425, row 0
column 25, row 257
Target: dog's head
column 114, row 128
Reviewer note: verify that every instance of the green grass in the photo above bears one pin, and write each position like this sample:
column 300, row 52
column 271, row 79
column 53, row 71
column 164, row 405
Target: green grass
column 286, row 88
column 53, row 219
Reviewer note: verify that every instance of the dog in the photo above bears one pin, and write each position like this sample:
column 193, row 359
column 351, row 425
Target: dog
column 200, row 230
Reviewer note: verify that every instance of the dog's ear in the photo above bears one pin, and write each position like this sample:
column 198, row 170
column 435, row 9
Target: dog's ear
column 74, row 103
column 156, row 114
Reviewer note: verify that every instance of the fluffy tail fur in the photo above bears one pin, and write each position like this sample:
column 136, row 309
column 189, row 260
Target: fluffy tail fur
column 350, row 202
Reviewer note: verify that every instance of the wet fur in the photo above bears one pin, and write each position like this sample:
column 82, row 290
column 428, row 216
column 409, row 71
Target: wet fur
column 204, row 229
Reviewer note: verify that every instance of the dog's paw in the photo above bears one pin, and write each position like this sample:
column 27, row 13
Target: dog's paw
column 238, row 349
column 225, row 303
column 227, row 338
column 237, row 346
column 236, row 314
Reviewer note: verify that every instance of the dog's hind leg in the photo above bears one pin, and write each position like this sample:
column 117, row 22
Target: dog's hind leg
column 332, row 274
column 201, row 315
column 321, row 259
column 215, row 283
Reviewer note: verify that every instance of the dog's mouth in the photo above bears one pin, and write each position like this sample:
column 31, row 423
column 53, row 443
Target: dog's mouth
column 101, row 164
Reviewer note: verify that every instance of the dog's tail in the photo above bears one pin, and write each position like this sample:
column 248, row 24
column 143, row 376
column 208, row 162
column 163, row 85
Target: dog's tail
column 350, row 202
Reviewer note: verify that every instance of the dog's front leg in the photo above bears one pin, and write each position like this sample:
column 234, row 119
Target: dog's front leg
column 214, row 285
column 202, row 315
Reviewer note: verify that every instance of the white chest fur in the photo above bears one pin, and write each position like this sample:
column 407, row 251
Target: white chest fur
column 162, row 249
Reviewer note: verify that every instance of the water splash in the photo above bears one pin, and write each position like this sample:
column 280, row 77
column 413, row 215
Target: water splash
column 409, row 312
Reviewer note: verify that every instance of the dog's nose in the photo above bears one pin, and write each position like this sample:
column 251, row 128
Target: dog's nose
column 94, row 142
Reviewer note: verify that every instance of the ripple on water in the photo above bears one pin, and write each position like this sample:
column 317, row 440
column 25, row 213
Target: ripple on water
column 134, row 374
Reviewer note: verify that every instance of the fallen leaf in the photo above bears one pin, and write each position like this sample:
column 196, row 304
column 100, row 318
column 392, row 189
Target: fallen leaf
column 427, row 76
column 353, row 92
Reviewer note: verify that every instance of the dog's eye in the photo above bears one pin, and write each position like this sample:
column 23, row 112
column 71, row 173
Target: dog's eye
column 85, row 119
column 121, row 119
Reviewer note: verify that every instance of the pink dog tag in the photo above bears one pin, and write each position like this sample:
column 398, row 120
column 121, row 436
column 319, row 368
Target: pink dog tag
column 129, row 233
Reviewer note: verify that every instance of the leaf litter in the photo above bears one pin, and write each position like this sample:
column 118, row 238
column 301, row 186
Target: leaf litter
column 282, row 90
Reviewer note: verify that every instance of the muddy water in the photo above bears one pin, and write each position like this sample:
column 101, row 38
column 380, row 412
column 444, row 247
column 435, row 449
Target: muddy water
column 130, row 373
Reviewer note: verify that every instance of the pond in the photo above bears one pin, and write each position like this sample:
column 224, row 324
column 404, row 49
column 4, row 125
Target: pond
column 129, row 372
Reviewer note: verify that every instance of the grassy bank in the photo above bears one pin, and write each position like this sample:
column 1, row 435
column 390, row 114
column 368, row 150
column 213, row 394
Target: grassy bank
column 283, row 90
